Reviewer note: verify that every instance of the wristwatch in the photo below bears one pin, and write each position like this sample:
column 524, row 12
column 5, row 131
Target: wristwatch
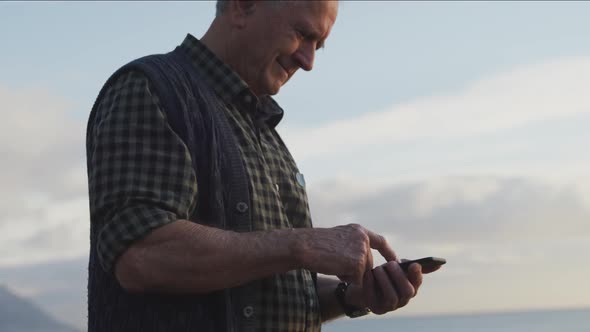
column 350, row 310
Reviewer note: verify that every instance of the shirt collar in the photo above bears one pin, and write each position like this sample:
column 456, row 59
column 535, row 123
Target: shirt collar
column 228, row 84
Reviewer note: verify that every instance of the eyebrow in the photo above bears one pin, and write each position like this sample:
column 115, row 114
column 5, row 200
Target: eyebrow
column 312, row 33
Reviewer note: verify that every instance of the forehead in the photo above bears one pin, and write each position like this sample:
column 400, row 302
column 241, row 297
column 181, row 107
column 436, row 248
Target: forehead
column 320, row 8
column 321, row 15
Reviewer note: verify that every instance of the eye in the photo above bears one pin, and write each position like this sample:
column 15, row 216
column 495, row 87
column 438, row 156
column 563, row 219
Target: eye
column 305, row 35
column 300, row 34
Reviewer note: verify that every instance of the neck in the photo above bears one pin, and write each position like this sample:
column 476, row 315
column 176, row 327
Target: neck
column 217, row 40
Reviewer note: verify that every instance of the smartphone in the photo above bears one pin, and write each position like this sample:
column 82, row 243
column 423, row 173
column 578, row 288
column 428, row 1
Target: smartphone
column 426, row 262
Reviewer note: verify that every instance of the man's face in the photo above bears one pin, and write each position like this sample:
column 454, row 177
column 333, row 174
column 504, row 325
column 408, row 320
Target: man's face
column 278, row 39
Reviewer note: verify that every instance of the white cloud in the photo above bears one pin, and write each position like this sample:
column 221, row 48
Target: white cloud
column 510, row 243
column 37, row 123
column 436, row 194
column 456, row 211
column 43, row 204
column 474, row 221
column 530, row 94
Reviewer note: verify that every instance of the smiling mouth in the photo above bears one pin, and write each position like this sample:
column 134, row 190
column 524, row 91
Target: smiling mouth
column 284, row 69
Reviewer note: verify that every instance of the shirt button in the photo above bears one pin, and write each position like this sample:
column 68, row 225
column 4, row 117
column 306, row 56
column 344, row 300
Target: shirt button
column 242, row 207
column 248, row 311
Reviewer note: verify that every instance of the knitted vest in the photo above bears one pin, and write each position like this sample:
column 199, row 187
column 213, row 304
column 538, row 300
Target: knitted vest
column 197, row 115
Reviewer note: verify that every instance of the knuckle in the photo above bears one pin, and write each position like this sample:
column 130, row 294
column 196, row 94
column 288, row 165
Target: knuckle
column 352, row 229
column 392, row 269
column 379, row 311
column 359, row 230
column 357, row 235
column 364, row 239
column 381, row 239
column 407, row 293
column 360, row 258
column 401, row 305
column 391, row 306
column 390, row 266
column 355, row 226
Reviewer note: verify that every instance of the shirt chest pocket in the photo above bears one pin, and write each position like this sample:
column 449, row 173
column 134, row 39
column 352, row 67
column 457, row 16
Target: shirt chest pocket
column 294, row 198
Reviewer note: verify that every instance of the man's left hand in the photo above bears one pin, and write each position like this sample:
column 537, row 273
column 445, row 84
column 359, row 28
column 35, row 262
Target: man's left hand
column 386, row 287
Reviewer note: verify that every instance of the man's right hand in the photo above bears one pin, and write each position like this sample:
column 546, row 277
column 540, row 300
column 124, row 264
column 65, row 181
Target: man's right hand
column 343, row 251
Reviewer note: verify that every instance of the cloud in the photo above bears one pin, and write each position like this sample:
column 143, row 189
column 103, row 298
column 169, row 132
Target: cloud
column 42, row 142
column 482, row 224
column 505, row 240
column 44, row 161
column 43, row 204
column 511, row 243
column 457, row 212
column 535, row 93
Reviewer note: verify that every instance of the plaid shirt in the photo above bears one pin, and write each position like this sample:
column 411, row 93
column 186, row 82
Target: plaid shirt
column 141, row 177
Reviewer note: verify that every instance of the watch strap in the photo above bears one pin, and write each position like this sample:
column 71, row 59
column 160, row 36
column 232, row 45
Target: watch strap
column 350, row 310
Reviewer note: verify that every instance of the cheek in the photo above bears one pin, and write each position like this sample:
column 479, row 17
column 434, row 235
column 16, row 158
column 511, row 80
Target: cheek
column 270, row 65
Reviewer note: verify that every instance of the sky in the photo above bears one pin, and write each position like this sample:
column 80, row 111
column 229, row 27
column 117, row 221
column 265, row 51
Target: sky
column 456, row 129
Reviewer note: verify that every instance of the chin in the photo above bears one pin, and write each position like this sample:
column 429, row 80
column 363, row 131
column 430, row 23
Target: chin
column 273, row 88
column 274, row 91
column 272, row 83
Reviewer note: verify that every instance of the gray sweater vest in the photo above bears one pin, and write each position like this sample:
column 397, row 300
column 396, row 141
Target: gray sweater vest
column 196, row 114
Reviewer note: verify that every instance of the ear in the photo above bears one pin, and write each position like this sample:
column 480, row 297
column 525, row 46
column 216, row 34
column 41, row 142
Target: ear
column 239, row 10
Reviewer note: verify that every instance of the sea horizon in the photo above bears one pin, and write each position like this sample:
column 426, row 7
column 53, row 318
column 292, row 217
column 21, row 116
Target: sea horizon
column 575, row 319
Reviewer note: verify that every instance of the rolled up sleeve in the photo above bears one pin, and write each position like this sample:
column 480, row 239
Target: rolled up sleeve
column 140, row 172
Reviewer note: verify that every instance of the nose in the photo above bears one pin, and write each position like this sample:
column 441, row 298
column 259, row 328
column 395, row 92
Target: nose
column 304, row 56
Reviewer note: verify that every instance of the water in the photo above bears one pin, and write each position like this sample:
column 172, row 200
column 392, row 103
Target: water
column 537, row 321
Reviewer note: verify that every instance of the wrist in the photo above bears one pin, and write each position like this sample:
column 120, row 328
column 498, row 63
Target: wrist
column 274, row 247
column 354, row 296
column 350, row 310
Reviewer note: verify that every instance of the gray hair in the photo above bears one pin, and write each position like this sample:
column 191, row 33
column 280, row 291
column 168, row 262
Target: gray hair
column 222, row 5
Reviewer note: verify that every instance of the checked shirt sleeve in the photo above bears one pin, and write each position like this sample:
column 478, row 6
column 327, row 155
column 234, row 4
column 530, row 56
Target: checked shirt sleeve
column 140, row 172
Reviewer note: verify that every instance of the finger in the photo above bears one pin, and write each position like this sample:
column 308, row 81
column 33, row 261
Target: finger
column 430, row 269
column 415, row 276
column 385, row 292
column 404, row 289
column 379, row 242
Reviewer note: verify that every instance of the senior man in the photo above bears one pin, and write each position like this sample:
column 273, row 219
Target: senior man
column 199, row 214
